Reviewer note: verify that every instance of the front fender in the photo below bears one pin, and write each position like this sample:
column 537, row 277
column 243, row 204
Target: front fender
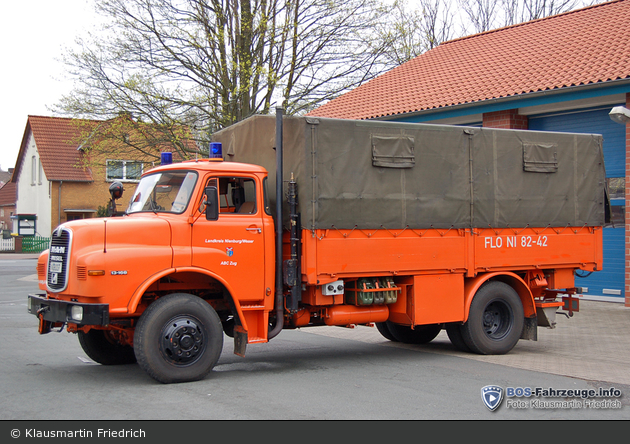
column 137, row 296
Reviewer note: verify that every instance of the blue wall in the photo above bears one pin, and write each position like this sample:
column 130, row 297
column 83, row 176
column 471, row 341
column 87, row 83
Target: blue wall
column 611, row 279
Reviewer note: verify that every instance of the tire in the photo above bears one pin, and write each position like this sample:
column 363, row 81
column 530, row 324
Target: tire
column 454, row 332
column 101, row 347
column 495, row 320
column 382, row 329
column 420, row 334
column 178, row 339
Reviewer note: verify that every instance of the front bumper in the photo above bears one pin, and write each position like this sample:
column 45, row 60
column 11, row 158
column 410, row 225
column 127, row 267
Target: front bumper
column 54, row 312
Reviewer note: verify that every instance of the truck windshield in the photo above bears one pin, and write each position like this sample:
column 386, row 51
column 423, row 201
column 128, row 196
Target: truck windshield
column 163, row 192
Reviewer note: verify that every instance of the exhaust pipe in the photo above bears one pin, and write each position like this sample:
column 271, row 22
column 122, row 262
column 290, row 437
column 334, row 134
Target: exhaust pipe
column 279, row 302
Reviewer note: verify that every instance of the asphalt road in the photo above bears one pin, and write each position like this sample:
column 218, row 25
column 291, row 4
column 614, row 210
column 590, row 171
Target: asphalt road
column 306, row 374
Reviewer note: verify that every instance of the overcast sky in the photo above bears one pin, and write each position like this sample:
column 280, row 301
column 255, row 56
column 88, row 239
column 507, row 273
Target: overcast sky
column 33, row 35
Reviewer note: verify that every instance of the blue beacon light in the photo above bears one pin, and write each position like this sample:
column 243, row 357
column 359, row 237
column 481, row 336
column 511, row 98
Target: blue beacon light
column 166, row 158
column 216, row 150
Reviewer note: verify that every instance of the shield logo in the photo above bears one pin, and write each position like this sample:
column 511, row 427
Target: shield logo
column 492, row 396
column 229, row 251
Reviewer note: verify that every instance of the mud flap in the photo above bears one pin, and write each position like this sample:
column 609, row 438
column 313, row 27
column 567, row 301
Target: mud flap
column 240, row 341
column 530, row 329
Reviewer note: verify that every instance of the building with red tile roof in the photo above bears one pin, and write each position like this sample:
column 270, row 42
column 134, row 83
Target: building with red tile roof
column 57, row 180
column 7, row 201
column 48, row 161
column 7, row 206
column 577, row 50
column 5, row 176
column 57, row 142
column 561, row 73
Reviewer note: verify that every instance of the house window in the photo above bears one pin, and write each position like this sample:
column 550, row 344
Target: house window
column 40, row 172
column 124, row 170
column 616, row 187
column 617, row 194
column 33, row 170
column 618, row 219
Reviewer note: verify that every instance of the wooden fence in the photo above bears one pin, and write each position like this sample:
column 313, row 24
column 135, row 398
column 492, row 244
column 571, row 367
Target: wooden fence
column 29, row 244
column 7, row 244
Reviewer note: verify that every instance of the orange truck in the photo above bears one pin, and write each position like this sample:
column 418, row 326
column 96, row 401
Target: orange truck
column 412, row 228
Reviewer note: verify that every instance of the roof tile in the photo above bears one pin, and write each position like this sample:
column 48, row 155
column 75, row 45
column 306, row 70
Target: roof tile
column 8, row 194
column 57, row 144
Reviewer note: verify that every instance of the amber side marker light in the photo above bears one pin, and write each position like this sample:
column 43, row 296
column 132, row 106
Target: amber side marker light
column 96, row 272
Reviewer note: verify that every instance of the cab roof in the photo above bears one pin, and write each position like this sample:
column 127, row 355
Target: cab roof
column 210, row 165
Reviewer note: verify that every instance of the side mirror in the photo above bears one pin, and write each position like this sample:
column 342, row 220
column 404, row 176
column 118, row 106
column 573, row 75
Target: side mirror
column 212, row 203
column 116, row 190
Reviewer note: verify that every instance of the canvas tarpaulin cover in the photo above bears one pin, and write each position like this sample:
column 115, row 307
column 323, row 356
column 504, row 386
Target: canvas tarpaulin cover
column 375, row 174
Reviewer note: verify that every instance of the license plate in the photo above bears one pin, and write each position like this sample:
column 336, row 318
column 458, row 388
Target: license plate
column 55, row 267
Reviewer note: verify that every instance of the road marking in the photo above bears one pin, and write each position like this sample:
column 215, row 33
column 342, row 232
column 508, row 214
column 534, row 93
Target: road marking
column 29, row 278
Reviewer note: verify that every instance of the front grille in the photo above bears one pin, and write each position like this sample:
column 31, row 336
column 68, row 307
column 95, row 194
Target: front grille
column 58, row 258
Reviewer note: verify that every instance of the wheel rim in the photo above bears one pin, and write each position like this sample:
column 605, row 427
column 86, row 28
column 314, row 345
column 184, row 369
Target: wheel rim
column 497, row 319
column 183, row 341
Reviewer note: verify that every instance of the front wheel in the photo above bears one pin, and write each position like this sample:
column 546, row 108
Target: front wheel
column 495, row 320
column 178, row 339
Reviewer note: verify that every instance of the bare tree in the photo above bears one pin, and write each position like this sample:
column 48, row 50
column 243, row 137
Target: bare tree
column 205, row 64
column 482, row 14
column 438, row 22
column 409, row 32
column 519, row 11
column 185, row 68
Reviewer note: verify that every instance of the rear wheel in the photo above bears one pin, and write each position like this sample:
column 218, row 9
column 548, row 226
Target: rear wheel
column 454, row 332
column 102, row 347
column 495, row 320
column 420, row 334
column 382, row 329
column 178, row 339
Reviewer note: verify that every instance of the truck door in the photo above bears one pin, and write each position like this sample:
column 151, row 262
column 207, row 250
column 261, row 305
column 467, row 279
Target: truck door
column 233, row 246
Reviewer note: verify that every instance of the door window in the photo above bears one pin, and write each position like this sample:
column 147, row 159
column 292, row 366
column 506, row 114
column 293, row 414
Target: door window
column 237, row 195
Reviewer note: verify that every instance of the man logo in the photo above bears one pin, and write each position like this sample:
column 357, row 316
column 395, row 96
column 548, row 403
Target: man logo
column 492, row 396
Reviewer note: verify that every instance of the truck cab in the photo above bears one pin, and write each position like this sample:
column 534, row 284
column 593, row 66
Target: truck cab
column 199, row 229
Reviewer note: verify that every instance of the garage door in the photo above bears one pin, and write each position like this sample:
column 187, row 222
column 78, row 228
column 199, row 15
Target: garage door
column 608, row 283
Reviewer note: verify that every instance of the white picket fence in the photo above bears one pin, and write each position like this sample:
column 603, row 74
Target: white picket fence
column 7, row 244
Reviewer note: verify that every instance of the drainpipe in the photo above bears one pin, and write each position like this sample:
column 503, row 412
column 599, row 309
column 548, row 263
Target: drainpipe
column 279, row 302
column 59, row 203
